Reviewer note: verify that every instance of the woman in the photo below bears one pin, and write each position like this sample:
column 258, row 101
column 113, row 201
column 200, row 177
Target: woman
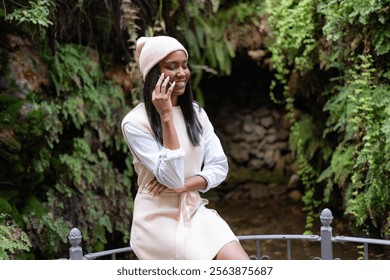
column 176, row 156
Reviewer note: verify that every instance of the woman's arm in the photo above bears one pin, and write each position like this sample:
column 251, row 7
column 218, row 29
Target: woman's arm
column 215, row 167
column 165, row 164
column 194, row 183
column 161, row 99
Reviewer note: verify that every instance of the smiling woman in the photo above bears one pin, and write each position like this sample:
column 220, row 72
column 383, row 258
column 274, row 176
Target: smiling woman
column 177, row 156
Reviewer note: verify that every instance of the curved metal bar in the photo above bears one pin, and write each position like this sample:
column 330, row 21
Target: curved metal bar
column 279, row 236
column 113, row 253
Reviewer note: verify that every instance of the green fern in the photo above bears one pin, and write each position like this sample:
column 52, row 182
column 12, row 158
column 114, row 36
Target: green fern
column 38, row 13
column 13, row 241
column 365, row 118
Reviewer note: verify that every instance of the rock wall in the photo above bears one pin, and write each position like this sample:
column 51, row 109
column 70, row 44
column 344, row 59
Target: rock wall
column 256, row 143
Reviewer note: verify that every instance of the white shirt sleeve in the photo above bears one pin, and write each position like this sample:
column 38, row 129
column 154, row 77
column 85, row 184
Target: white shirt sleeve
column 166, row 165
column 215, row 167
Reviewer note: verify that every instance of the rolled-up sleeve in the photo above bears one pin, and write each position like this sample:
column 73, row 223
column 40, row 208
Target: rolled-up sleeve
column 215, row 167
column 166, row 165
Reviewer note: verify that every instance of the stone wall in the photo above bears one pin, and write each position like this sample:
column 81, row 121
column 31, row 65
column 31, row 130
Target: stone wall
column 256, row 143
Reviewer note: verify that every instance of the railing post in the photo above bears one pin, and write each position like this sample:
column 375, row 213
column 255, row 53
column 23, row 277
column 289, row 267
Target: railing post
column 75, row 252
column 326, row 235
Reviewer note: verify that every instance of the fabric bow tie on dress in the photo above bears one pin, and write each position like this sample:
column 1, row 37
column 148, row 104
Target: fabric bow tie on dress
column 190, row 202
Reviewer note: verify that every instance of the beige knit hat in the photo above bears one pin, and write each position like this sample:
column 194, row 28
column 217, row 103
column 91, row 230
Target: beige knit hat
column 151, row 50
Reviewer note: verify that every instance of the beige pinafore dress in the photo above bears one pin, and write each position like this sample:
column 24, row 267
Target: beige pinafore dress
column 175, row 225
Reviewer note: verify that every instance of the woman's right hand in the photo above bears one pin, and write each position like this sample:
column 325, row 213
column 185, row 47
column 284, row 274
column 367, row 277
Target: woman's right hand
column 161, row 96
column 156, row 188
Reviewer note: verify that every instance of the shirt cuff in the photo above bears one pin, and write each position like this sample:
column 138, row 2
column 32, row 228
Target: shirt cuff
column 169, row 155
column 207, row 183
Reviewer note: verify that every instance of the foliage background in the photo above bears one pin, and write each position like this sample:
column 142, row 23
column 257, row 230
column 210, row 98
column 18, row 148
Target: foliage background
column 63, row 159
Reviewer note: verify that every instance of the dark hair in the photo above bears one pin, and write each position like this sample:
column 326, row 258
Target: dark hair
column 186, row 103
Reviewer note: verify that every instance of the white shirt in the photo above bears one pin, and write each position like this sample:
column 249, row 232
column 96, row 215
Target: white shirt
column 171, row 167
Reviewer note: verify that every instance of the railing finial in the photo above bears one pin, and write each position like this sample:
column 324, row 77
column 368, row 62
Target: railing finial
column 326, row 217
column 75, row 252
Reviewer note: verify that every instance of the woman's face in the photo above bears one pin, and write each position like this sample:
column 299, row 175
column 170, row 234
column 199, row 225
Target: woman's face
column 175, row 65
